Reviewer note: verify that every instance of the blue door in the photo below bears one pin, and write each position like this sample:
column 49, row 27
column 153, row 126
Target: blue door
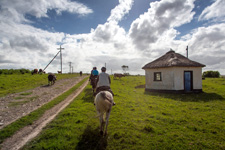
column 187, row 81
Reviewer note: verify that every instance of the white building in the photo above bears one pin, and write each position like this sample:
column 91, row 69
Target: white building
column 173, row 72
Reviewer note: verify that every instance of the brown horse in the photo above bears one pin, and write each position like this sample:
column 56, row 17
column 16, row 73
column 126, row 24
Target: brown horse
column 51, row 79
column 94, row 83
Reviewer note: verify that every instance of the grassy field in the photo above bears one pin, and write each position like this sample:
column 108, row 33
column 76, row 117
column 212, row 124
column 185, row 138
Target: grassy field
column 20, row 82
column 141, row 120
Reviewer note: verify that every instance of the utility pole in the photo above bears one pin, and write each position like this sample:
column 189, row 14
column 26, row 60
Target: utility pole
column 70, row 66
column 60, row 49
column 187, row 51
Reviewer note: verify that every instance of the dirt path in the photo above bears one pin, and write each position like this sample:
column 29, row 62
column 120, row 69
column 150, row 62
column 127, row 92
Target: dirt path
column 19, row 139
column 14, row 106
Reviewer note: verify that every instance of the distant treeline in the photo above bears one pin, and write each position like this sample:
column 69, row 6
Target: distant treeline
column 14, row 71
column 211, row 74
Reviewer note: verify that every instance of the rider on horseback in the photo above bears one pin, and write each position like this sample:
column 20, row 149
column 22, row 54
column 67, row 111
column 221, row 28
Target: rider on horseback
column 103, row 82
column 93, row 77
column 95, row 71
column 94, row 74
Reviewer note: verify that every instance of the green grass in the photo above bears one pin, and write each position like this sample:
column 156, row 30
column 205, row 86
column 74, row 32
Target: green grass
column 26, row 100
column 22, row 99
column 26, row 93
column 141, row 120
column 32, row 98
column 33, row 116
column 12, row 104
column 20, row 82
column 19, row 97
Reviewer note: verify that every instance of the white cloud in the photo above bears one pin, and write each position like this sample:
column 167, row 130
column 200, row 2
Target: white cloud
column 209, row 40
column 14, row 10
column 24, row 37
column 207, row 46
column 120, row 10
column 111, row 32
column 160, row 18
column 215, row 11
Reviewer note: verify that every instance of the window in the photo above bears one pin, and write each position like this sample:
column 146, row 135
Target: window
column 157, row 76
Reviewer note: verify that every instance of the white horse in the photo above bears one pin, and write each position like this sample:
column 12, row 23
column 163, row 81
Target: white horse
column 104, row 102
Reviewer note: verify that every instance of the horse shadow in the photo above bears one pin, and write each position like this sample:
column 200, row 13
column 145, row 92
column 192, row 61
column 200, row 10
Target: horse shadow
column 91, row 139
column 189, row 97
column 44, row 86
column 89, row 98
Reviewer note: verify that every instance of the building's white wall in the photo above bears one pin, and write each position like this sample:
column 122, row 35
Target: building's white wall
column 173, row 78
column 197, row 78
column 167, row 82
column 179, row 78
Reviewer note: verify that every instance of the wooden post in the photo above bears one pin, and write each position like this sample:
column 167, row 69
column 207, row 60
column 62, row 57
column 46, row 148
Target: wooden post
column 70, row 65
column 60, row 49
column 187, row 51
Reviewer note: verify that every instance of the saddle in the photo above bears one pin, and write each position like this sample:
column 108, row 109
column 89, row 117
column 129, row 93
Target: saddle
column 104, row 88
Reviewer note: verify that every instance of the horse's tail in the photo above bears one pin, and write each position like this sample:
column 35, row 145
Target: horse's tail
column 104, row 100
column 103, row 94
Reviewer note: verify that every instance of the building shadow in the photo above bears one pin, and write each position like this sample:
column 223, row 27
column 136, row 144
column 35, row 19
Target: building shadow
column 92, row 140
column 188, row 97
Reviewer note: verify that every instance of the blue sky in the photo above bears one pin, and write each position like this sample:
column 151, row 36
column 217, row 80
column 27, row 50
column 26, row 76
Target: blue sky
column 115, row 32
column 74, row 23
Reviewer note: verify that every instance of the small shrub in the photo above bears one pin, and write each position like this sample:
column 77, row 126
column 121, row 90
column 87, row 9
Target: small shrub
column 211, row 74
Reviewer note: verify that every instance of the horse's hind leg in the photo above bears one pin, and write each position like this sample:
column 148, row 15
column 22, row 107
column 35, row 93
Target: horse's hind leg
column 101, row 123
column 93, row 89
column 107, row 121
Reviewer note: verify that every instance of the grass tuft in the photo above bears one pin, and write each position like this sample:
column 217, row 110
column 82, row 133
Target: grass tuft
column 27, row 93
column 149, row 128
